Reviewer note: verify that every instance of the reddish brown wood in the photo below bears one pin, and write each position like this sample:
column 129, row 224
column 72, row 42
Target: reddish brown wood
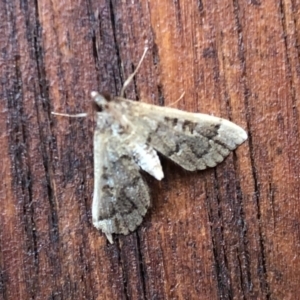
column 231, row 232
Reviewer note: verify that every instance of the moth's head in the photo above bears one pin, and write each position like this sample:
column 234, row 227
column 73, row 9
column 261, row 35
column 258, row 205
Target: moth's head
column 100, row 101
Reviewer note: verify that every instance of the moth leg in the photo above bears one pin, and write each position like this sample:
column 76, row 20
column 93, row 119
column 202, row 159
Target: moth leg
column 129, row 79
column 173, row 103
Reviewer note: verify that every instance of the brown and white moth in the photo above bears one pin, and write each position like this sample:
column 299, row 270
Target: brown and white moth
column 128, row 136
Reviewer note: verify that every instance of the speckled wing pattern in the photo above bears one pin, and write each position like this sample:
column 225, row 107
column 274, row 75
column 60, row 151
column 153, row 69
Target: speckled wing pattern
column 127, row 138
column 194, row 141
column 121, row 196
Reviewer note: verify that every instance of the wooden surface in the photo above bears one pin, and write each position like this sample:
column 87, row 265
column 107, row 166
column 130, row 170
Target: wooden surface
column 232, row 232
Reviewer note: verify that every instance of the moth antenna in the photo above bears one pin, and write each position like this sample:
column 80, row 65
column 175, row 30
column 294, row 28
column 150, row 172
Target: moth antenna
column 129, row 79
column 82, row 115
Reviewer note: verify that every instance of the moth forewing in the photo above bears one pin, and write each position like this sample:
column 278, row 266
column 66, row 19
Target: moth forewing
column 194, row 141
column 121, row 196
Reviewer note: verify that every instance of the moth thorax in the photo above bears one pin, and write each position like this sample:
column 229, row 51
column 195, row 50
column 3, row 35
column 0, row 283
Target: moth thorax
column 119, row 129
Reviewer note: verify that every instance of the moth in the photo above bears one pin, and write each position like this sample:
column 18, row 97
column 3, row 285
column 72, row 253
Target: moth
column 127, row 138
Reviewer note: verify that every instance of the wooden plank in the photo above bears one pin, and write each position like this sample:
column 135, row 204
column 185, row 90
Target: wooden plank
column 231, row 232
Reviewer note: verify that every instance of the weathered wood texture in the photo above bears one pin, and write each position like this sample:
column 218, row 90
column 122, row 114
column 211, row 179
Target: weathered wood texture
column 231, row 232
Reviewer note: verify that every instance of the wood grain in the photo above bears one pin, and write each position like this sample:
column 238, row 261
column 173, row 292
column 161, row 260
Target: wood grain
column 231, row 232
